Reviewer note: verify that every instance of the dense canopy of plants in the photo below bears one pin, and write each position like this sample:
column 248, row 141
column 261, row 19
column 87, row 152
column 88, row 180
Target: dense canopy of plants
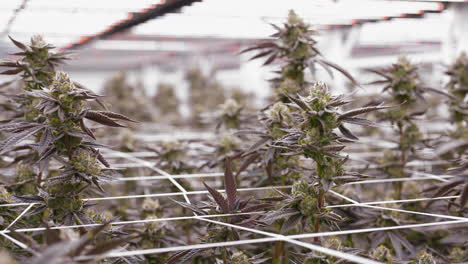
column 311, row 161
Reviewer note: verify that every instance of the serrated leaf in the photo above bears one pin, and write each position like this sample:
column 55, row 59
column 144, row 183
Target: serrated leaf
column 282, row 213
column 17, row 138
column 86, row 129
column 11, row 72
column 261, row 54
column 101, row 119
column 219, row 199
column 230, row 184
column 106, row 246
column 298, row 102
column 30, row 198
column 452, row 146
column 291, row 222
column 333, row 148
column 41, row 94
column 256, row 207
column 271, row 59
column 340, row 69
column 19, row 44
column 347, row 133
column 8, row 64
column 443, row 189
column 362, row 110
column 101, row 158
column 259, row 46
column 437, row 91
column 381, row 73
column 186, row 254
column 257, row 145
column 45, row 141
column 116, row 116
column 36, row 210
column 464, row 196
column 251, row 158
column 359, row 121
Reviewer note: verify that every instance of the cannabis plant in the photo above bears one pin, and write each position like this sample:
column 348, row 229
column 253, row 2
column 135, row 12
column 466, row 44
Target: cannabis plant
column 226, row 145
column 167, row 102
column 304, row 124
column 37, row 63
column 301, row 207
column 231, row 204
column 294, row 44
column 403, row 85
column 275, row 120
column 313, row 135
column 127, row 99
column 458, row 185
column 205, row 94
column 453, row 143
column 172, row 157
column 318, row 258
column 54, row 114
column 229, row 115
column 66, row 247
column 458, row 88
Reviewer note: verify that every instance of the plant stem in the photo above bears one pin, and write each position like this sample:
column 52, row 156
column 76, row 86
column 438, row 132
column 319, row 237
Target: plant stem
column 283, row 253
column 275, row 252
column 224, row 253
column 320, row 201
column 399, row 185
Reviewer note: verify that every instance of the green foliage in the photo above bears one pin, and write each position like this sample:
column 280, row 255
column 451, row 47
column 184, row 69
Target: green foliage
column 230, row 114
column 403, row 85
column 127, row 99
column 458, row 88
column 205, row 94
column 294, row 44
column 382, row 253
column 54, row 114
column 166, row 101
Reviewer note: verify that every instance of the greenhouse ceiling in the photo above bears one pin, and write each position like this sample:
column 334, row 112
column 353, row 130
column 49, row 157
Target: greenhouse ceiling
column 73, row 21
column 158, row 30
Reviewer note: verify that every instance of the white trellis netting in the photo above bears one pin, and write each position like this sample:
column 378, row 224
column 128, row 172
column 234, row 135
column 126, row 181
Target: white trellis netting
column 136, row 160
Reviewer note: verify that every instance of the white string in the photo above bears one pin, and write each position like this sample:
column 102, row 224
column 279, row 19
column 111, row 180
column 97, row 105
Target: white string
column 395, row 180
column 413, row 212
column 143, row 221
column 149, row 165
column 343, row 197
column 19, row 216
column 152, row 195
column 429, row 175
column 17, row 242
column 396, row 201
column 140, row 154
column 272, row 236
column 220, row 174
column 376, row 229
column 310, row 246
column 355, row 166
column 272, row 239
column 175, row 176
column 313, row 247
column 355, row 203
column 213, row 216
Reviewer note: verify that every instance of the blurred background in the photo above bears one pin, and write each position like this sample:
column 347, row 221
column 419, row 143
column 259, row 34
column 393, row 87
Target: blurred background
column 156, row 43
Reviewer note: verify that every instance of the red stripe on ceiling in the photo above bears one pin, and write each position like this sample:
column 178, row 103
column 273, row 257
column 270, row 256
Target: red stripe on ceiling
column 83, row 40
